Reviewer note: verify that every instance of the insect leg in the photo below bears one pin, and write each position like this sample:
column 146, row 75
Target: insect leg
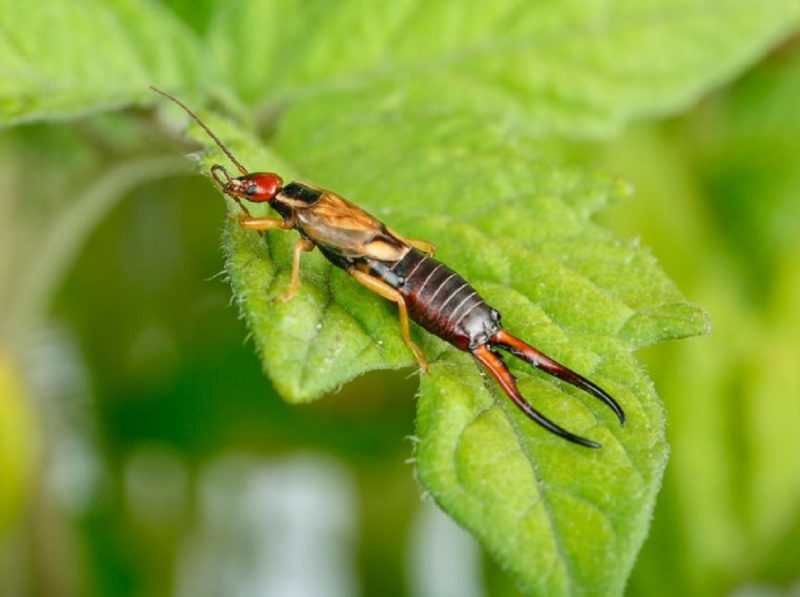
column 387, row 292
column 246, row 221
column 541, row 361
column 302, row 244
column 422, row 245
column 495, row 365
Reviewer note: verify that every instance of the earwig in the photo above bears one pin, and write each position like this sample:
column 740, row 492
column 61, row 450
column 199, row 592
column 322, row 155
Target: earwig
column 399, row 269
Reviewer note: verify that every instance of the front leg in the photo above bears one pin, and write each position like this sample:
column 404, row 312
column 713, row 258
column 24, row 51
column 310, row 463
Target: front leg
column 251, row 223
column 302, row 244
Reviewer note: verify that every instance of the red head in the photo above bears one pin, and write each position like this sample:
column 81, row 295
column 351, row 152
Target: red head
column 255, row 186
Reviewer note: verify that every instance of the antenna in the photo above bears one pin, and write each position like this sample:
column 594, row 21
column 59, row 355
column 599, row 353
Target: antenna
column 196, row 118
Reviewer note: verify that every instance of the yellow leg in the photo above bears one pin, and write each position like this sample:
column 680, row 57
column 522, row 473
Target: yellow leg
column 422, row 245
column 245, row 221
column 387, row 292
column 302, row 244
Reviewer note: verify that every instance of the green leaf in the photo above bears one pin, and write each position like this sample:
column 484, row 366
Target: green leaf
column 567, row 67
column 560, row 517
column 727, row 179
column 563, row 520
column 753, row 153
column 63, row 59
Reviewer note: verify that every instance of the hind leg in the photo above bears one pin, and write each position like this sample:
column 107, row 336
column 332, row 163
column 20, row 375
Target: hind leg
column 382, row 288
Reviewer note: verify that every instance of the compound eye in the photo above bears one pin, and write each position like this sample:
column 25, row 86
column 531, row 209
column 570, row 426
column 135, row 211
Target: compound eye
column 251, row 190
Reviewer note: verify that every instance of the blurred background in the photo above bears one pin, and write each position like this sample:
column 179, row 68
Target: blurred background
column 143, row 452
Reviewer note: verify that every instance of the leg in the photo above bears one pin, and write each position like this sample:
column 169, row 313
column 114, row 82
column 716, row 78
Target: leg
column 495, row 365
column 387, row 292
column 422, row 245
column 246, row 221
column 302, row 244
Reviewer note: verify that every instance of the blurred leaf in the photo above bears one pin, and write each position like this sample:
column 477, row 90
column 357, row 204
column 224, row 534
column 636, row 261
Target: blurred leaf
column 568, row 67
column 719, row 196
column 46, row 231
column 18, row 443
column 749, row 140
column 748, row 168
column 196, row 13
column 63, row 59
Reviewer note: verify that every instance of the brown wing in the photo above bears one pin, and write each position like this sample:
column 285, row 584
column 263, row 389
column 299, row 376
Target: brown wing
column 348, row 230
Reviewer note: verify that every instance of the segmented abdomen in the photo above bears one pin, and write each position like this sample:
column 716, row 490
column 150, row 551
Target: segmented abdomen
column 440, row 300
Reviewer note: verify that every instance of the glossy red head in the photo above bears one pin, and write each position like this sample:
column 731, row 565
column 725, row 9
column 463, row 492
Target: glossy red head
column 260, row 186
column 257, row 187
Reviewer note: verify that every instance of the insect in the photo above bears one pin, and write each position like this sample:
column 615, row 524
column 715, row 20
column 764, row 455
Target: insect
column 397, row 268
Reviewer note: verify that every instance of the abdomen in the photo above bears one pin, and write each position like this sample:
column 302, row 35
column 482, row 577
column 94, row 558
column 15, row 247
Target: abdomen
column 440, row 300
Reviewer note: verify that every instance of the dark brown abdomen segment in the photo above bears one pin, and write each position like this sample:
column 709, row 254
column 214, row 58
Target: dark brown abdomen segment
column 441, row 301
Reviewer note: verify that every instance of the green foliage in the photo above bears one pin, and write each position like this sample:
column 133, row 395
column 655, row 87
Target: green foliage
column 64, row 59
column 575, row 301
column 732, row 490
column 564, row 67
column 432, row 117
column 18, row 443
column 554, row 68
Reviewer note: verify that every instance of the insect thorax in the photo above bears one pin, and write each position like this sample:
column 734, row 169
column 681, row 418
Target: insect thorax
column 299, row 194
